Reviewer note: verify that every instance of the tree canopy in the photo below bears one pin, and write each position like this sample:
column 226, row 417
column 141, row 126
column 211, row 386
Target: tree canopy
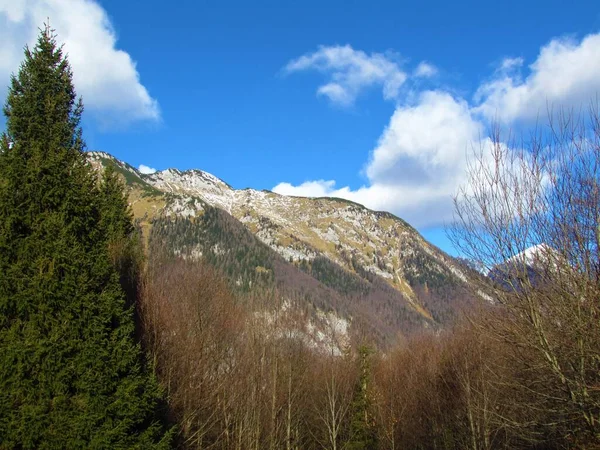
column 71, row 372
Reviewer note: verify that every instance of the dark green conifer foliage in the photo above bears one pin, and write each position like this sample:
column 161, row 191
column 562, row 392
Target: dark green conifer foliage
column 71, row 374
column 125, row 248
column 116, row 217
column 363, row 434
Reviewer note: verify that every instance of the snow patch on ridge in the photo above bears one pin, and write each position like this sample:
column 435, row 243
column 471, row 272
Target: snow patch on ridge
column 184, row 207
column 532, row 254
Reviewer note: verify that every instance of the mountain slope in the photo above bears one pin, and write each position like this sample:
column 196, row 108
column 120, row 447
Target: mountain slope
column 366, row 266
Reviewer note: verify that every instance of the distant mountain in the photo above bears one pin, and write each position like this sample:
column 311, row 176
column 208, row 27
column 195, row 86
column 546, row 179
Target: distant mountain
column 332, row 259
column 529, row 267
column 533, row 255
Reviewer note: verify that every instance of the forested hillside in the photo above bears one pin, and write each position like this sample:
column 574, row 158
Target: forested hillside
column 413, row 286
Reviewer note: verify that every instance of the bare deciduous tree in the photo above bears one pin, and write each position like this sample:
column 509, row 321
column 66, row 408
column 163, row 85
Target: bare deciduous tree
column 544, row 191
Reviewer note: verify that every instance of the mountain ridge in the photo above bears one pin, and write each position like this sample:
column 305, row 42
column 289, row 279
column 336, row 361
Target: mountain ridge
column 374, row 246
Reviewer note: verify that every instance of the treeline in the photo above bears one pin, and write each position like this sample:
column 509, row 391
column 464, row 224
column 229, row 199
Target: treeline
column 236, row 381
column 254, row 270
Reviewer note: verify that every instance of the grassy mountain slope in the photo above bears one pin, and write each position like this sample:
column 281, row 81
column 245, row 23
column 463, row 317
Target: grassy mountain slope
column 324, row 256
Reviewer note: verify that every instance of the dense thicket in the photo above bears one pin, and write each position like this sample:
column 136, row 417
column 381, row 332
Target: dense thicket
column 71, row 373
column 244, row 379
column 238, row 378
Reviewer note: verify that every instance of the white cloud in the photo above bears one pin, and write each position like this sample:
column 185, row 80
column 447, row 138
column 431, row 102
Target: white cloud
column 146, row 170
column 418, row 163
column 424, row 143
column 425, row 70
column 320, row 188
column 565, row 74
column 351, row 71
column 420, row 159
column 509, row 64
column 105, row 76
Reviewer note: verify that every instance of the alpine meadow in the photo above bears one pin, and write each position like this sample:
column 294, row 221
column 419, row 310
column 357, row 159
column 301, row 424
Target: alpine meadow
column 444, row 297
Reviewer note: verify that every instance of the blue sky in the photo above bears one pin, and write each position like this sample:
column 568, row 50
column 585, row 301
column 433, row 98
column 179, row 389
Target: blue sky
column 373, row 101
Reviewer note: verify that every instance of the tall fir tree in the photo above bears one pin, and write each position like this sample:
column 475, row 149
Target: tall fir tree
column 363, row 435
column 71, row 373
column 124, row 240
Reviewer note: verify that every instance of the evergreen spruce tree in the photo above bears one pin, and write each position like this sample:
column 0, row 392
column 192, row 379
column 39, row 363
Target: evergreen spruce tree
column 124, row 240
column 71, row 373
column 116, row 217
column 363, row 435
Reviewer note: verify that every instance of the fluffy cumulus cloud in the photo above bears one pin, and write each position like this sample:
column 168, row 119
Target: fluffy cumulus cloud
column 105, row 76
column 350, row 72
column 420, row 160
column 417, row 164
column 146, row 169
column 565, row 74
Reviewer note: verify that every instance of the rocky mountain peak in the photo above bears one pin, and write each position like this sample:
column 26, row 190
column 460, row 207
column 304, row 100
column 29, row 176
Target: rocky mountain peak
column 320, row 236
